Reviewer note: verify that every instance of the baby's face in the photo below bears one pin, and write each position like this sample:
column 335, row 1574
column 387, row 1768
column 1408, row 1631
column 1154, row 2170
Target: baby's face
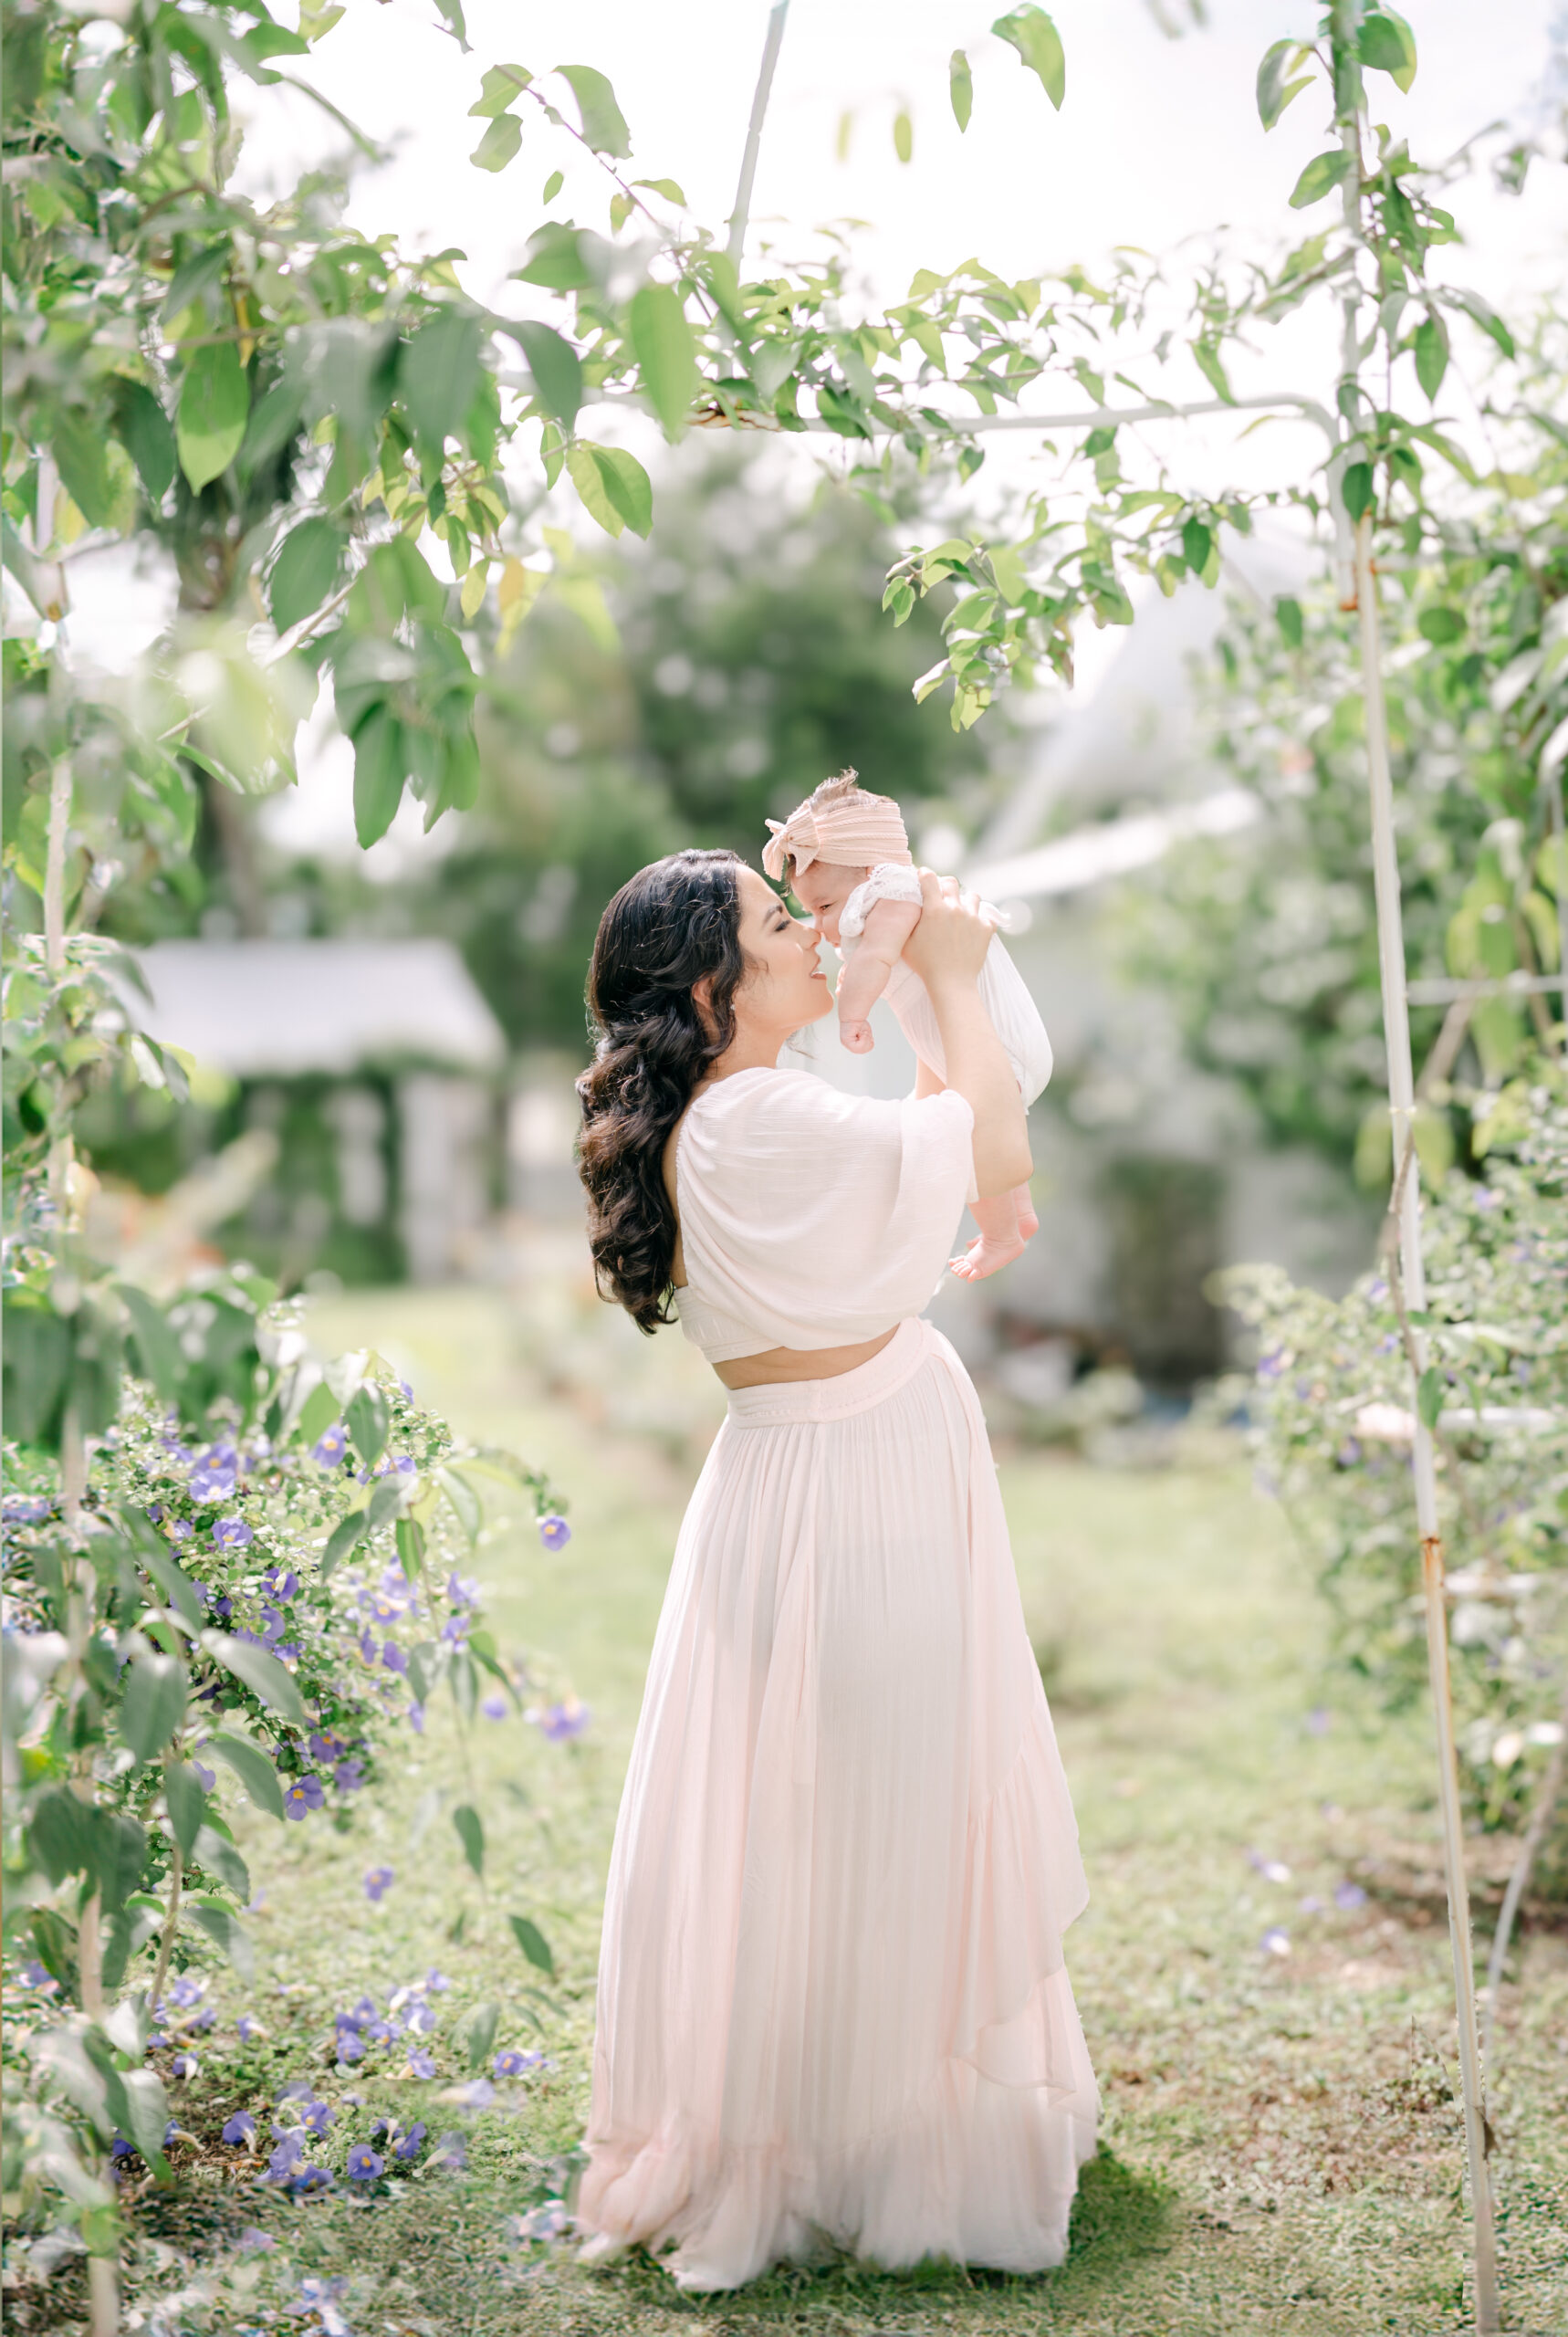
column 822, row 889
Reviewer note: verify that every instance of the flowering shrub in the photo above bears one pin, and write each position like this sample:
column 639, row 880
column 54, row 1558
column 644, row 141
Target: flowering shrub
column 1334, row 1397
column 254, row 1592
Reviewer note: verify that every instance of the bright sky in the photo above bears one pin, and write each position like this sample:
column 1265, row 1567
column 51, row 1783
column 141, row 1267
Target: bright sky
column 1158, row 139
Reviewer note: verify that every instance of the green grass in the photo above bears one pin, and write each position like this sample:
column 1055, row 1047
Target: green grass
column 1282, row 2149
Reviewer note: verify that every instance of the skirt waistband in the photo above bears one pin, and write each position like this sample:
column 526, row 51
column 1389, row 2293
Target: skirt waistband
column 785, row 1401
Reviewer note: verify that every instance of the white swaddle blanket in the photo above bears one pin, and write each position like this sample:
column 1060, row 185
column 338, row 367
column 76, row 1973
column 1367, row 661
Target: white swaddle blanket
column 1014, row 1015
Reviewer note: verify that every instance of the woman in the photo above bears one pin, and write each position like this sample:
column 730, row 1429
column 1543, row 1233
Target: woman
column 832, row 2010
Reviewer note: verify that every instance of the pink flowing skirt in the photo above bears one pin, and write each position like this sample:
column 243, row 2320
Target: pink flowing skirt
column 832, row 2009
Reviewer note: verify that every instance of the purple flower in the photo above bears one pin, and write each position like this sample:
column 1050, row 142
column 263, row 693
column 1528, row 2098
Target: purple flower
column 185, row 1990
column 461, row 1591
column 405, row 1464
column 377, row 1881
column 451, row 2153
column 222, row 1608
column 416, row 1718
column 213, row 1476
column 478, row 2094
column 209, row 1777
column 232, row 1534
column 554, row 1532
column 184, row 2065
column 1348, row 1896
column 246, row 2029
column 317, row 2116
column 120, row 2148
column 181, row 1530
column 24, row 1510
column 409, row 2146
column 394, row 1658
column 241, row 2127
column 326, row 1745
column 329, row 1448
column 349, row 2048
column 1275, row 1941
column 421, row 2019
column 560, row 1722
column 311, row 2179
column 364, row 2165
column 367, row 1646
column 435, row 1982
column 405, row 1391
column 456, row 1629
column 282, row 1582
column 305, row 1793
column 349, row 1775
column 287, row 2156
column 273, row 1625
column 37, row 1975
column 512, row 2065
column 419, row 2065
column 494, row 1708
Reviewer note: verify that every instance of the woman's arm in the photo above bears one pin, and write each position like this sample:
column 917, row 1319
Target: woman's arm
column 947, row 950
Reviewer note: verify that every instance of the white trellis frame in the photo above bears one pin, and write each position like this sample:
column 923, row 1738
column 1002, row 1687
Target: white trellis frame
column 1357, row 581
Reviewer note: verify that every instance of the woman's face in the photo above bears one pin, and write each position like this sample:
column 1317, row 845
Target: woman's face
column 785, row 986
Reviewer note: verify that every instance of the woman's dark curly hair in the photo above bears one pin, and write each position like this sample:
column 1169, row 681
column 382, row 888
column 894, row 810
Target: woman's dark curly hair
column 675, row 922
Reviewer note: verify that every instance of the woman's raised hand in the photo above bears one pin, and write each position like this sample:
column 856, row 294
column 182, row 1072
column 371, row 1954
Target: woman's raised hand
column 950, row 942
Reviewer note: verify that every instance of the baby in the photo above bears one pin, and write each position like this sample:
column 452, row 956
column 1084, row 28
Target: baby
column 848, row 861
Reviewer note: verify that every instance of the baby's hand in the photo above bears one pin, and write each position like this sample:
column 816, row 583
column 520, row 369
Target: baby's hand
column 857, row 1037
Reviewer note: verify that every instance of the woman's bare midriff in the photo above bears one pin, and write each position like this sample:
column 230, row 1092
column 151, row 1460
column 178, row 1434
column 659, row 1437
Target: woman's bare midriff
column 774, row 1365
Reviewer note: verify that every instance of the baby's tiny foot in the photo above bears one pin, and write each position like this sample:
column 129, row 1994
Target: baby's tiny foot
column 1028, row 1223
column 857, row 1037
column 986, row 1257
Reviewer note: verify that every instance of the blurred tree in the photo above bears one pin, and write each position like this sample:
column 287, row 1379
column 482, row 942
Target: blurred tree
column 677, row 697
column 1265, row 942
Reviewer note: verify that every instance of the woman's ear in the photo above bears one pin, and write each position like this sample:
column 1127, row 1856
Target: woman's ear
column 702, row 999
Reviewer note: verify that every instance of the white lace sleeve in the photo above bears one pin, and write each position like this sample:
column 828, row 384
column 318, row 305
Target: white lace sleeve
column 888, row 881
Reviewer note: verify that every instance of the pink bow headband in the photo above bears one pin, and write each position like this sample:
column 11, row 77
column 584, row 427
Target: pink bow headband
column 857, row 830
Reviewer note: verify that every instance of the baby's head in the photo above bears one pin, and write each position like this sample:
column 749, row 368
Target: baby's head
column 830, row 844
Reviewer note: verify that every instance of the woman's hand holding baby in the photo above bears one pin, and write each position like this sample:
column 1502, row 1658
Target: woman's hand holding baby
column 947, row 950
column 950, row 941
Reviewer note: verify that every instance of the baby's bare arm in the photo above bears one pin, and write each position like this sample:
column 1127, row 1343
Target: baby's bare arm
column 888, row 926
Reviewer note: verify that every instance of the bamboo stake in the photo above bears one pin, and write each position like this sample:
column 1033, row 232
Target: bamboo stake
column 740, row 216
column 1412, row 1273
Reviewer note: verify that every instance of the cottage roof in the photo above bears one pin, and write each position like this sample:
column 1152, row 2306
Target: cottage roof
column 280, row 1008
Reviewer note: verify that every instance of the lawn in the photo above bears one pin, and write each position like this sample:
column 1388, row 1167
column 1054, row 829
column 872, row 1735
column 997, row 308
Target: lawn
column 1263, row 1970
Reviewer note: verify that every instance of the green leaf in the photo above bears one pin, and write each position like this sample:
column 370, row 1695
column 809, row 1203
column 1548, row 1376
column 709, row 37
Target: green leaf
column 368, row 1421
column 176, row 1586
column 1323, row 174
column 381, row 767
column 187, row 1799
column 438, row 372
column 153, row 1704
column 216, row 1854
column 346, row 1535
column 156, row 1348
column 555, row 259
column 465, row 1501
column 80, row 451
column 556, row 368
column 602, row 123
column 664, row 350
column 502, row 86
column 1357, row 488
column 304, row 572
column 960, row 88
column 1440, row 626
column 140, row 2108
column 214, row 406
column 668, row 188
column 129, row 1934
column 1288, row 611
column 1387, row 44
column 317, row 1414
column 471, row 1834
column 121, row 1858
column 252, row 1768
column 1211, row 366
column 385, row 1501
column 221, row 1926
column 1195, row 540
column 499, row 144
column 534, row 1945
column 1430, row 1391
column 1485, row 315
column 261, row 1672
column 1275, row 88
column 902, row 136
column 62, row 1834
column 479, row 2033
column 614, row 487
column 409, row 1535
column 1030, row 31
column 1431, row 342
column 553, row 186
column 196, row 276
